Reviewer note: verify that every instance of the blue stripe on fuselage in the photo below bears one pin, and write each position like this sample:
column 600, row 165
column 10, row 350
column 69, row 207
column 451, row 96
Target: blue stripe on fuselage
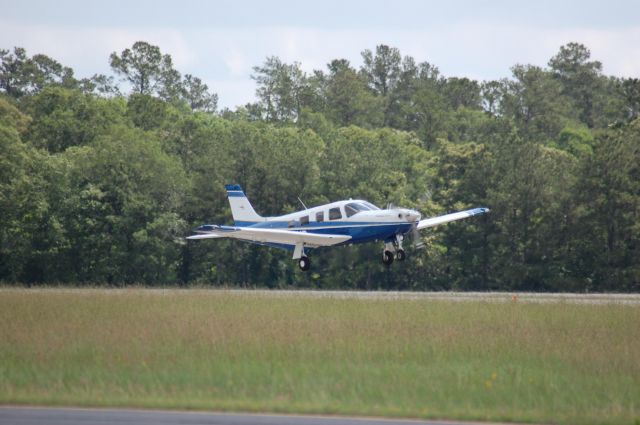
column 364, row 233
column 359, row 231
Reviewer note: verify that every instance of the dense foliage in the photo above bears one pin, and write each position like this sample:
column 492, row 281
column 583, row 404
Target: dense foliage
column 100, row 182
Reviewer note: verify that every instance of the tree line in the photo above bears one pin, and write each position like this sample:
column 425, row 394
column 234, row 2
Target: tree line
column 101, row 178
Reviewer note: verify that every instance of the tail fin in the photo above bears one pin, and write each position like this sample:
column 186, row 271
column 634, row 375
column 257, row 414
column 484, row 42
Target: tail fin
column 243, row 212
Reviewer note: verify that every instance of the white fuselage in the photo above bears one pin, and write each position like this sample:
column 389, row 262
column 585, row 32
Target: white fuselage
column 359, row 219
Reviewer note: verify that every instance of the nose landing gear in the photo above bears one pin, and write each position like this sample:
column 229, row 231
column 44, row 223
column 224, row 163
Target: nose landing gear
column 393, row 250
column 387, row 257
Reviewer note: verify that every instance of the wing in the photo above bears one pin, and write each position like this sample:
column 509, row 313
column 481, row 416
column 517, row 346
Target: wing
column 434, row 221
column 288, row 237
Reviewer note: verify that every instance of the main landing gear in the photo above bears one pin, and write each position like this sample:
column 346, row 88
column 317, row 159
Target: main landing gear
column 304, row 263
column 393, row 250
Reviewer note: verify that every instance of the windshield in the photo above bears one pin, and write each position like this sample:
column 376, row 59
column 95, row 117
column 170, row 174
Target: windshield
column 354, row 208
column 370, row 205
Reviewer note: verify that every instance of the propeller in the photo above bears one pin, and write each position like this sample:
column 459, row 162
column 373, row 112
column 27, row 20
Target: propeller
column 415, row 233
column 417, row 238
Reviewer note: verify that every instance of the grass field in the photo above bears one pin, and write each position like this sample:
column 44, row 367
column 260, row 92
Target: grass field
column 560, row 363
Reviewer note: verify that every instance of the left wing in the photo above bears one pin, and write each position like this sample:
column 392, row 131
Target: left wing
column 434, row 221
column 288, row 237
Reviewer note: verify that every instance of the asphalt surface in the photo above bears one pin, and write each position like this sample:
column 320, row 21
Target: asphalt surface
column 10, row 415
column 500, row 297
column 525, row 297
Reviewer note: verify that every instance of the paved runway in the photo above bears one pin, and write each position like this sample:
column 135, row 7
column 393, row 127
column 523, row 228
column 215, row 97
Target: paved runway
column 10, row 415
column 523, row 297
column 526, row 297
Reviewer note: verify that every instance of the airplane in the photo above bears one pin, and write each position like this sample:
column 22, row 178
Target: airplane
column 338, row 223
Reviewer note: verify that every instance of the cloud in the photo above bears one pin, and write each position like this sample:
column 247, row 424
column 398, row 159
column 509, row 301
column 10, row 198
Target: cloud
column 233, row 93
column 237, row 63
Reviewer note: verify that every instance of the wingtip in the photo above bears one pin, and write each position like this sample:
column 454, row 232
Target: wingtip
column 480, row 210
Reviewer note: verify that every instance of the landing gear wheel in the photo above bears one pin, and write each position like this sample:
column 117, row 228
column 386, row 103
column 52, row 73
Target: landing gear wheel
column 304, row 263
column 400, row 255
column 387, row 258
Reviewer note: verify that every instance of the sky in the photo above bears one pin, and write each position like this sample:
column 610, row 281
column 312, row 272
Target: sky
column 221, row 41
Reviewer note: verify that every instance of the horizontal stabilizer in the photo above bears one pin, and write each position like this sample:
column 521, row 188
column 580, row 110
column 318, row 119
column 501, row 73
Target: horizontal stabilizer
column 205, row 236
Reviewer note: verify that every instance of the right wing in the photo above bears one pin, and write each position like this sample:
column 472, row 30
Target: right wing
column 287, row 237
column 434, row 221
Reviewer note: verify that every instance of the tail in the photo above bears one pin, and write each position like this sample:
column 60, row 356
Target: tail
column 243, row 212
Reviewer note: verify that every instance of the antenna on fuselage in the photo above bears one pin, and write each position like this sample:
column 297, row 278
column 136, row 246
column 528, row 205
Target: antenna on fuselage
column 305, row 207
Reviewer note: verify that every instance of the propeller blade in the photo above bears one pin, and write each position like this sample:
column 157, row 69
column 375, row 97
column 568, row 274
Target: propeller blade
column 417, row 238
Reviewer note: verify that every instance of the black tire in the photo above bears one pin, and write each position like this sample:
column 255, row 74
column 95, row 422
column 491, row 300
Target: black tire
column 304, row 263
column 400, row 255
column 387, row 258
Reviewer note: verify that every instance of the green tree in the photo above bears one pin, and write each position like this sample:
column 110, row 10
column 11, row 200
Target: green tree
column 147, row 112
column 530, row 191
column 461, row 181
column 14, row 71
column 581, row 78
column 491, row 93
column 122, row 211
column 21, row 74
column 146, row 69
column 578, row 141
column 536, row 102
column 23, row 202
column 382, row 70
column 630, row 88
column 428, row 108
column 197, row 95
column 462, row 92
column 63, row 118
column 349, row 101
column 280, row 89
column 417, row 104
column 606, row 230
column 100, row 85
column 48, row 71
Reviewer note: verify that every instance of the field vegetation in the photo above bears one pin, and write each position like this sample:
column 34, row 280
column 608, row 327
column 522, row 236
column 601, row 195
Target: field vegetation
column 512, row 361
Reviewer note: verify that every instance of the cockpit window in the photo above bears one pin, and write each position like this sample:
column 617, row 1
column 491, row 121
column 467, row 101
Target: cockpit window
column 354, row 208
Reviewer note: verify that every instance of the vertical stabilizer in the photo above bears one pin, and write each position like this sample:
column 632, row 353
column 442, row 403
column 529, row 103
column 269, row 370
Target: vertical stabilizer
column 243, row 212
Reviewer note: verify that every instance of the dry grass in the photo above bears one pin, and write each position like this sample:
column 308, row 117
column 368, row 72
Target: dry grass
column 226, row 351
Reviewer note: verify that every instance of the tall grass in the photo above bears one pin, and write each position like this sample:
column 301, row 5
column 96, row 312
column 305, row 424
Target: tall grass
column 218, row 350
